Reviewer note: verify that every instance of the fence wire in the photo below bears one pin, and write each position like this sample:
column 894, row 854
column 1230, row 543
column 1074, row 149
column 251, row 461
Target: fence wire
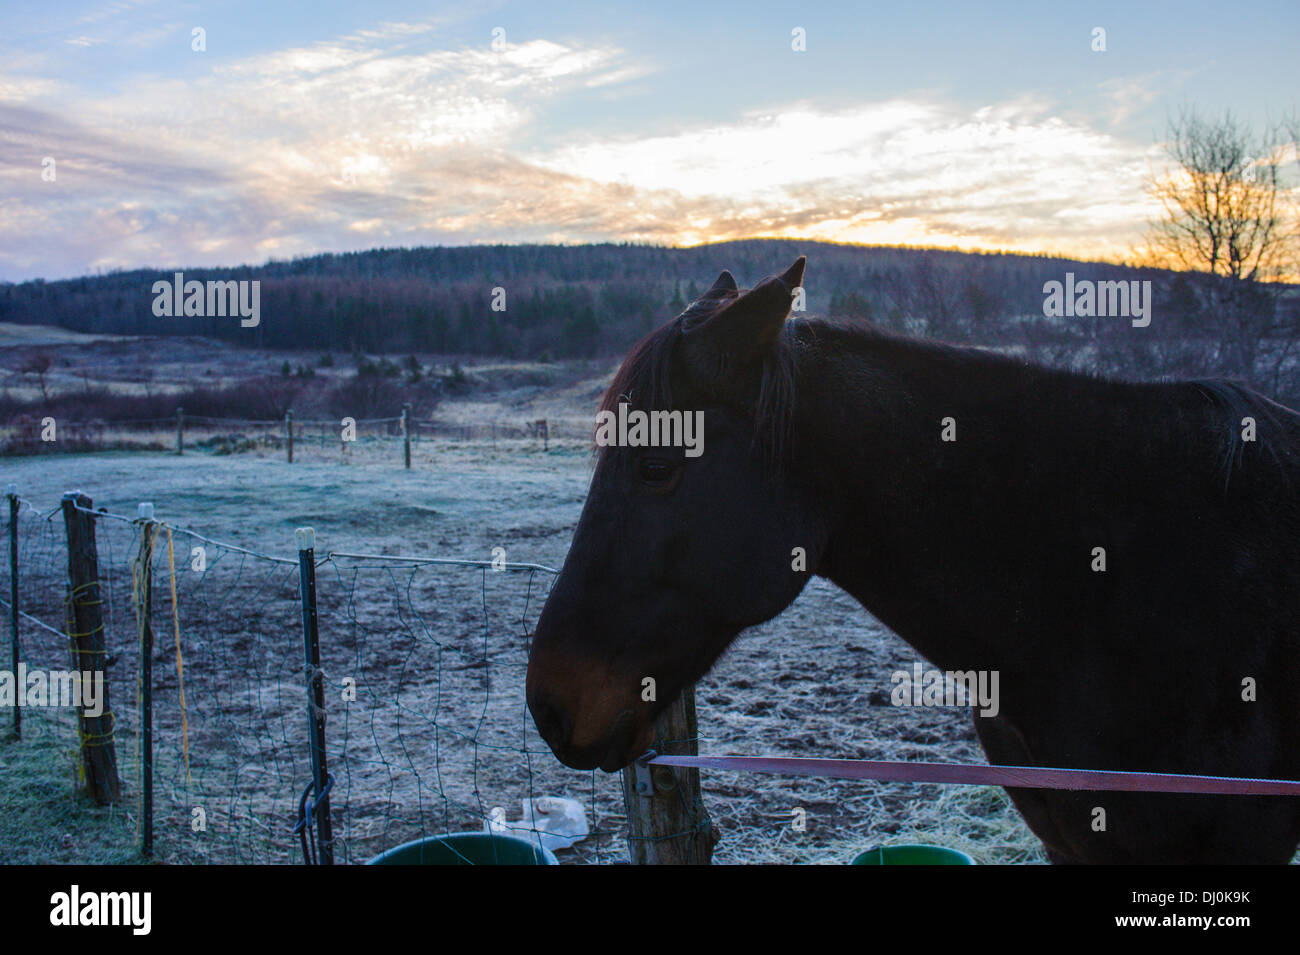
column 43, row 574
column 427, row 731
column 313, row 438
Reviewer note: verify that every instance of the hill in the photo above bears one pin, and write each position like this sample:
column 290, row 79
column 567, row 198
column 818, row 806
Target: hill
column 560, row 301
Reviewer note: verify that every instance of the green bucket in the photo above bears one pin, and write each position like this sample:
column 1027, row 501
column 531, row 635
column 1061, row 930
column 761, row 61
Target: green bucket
column 912, row 855
column 467, row 848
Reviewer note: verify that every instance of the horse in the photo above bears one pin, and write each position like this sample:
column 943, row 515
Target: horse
column 1124, row 554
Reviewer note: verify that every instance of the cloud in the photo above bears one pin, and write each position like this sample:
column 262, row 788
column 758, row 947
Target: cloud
column 379, row 137
column 24, row 89
column 293, row 150
column 1126, row 96
column 899, row 171
column 113, row 11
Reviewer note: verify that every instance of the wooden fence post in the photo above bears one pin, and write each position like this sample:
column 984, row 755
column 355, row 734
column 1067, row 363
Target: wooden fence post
column 180, row 430
column 144, row 595
column 667, row 821
column 288, row 427
column 406, row 434
column 546, row 438
column 89, row 649
column 12, row 494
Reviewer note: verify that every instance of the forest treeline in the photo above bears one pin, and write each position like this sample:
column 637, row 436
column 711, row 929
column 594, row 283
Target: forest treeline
column 596, row 300
column 564, row 301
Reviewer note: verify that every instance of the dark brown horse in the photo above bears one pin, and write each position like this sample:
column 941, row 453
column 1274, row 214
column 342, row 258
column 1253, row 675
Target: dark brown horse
column 968, row 501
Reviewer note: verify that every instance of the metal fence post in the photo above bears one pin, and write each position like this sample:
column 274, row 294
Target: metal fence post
column 12, row 493
column 145, row 610
column 180, row 430
column 89, row 648
column 306, row 538
column 406, row 434
column 288, row 427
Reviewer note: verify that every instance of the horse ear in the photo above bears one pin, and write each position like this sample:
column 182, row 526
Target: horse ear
column 726, row 283
column 793, row 276
column 743, row 331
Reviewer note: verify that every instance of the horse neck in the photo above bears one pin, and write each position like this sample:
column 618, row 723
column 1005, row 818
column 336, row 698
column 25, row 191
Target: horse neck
column 940, row 538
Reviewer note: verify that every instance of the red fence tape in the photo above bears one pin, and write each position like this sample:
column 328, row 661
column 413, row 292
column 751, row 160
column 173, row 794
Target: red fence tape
column 1016, row 777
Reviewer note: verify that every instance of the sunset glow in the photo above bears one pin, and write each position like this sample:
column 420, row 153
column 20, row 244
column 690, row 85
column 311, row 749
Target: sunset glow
column 355, row 131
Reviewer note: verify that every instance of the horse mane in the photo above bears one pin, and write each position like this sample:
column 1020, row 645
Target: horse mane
column 1238, row 401
column 644, row 380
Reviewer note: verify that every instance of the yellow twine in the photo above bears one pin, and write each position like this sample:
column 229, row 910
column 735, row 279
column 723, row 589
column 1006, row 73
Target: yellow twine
column 85, row 740
column 180, row 666
column 70, row 619
column 139, row 567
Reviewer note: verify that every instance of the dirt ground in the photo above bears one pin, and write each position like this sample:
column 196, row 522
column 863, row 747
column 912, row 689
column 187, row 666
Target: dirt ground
column 438, row 733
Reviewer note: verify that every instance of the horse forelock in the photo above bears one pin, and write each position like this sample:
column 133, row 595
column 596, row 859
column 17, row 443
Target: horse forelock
column 644, row 379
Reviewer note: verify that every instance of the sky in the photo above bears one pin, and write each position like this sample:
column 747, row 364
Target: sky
column 301, row 128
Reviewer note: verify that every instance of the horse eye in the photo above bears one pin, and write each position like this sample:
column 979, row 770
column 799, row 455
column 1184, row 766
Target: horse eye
column 655, row 471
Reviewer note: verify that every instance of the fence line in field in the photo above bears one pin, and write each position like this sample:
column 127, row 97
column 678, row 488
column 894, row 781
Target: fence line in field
column 224, row 435
column 421, row 670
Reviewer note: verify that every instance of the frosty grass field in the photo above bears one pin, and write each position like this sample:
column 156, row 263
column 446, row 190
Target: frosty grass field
column 813, row 682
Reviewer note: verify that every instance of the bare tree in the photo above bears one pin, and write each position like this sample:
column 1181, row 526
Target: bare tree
column 1229, row 214
column 38, row 365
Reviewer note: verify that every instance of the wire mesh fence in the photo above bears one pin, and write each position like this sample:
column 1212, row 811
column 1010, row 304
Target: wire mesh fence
column 41, row 557
column 439, row 738
column 423, row 662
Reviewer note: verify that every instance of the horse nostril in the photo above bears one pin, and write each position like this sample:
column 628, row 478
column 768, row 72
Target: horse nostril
column 552, row 721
